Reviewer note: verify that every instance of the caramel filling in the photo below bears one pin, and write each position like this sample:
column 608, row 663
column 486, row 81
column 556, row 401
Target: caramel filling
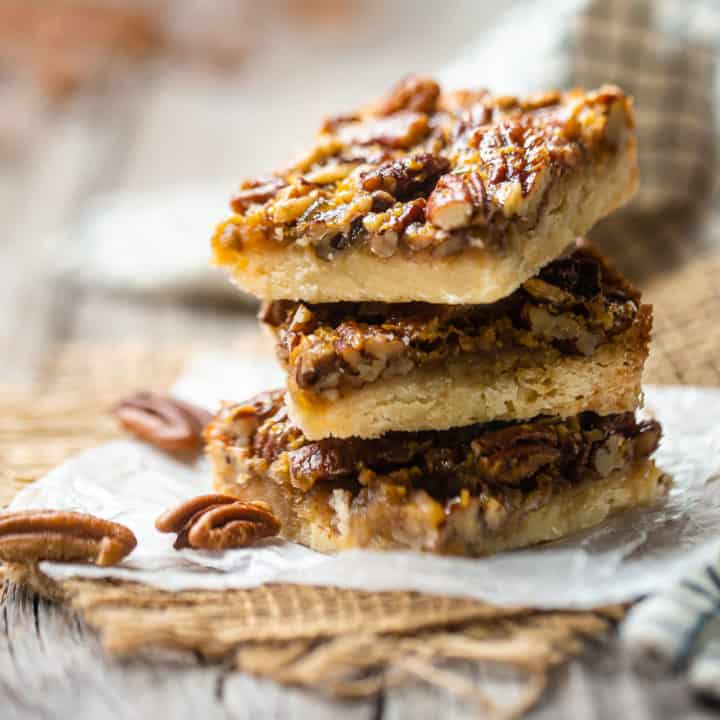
column 510, row 461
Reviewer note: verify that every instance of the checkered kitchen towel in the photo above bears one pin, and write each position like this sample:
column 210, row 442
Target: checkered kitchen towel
column 663, row 52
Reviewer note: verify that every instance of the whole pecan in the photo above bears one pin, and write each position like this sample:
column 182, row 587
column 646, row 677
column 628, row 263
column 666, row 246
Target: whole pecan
column 218, row 522
column 63, row 536
column 163, row 420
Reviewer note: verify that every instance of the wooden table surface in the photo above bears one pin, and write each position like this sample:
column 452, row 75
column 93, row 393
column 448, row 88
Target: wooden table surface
column 50, row 664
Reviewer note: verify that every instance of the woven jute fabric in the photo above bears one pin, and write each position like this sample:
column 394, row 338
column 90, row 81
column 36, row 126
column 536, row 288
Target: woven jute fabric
column 338, row 641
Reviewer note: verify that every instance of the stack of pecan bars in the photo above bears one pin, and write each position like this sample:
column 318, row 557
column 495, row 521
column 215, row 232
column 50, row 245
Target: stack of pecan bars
column 462, row 372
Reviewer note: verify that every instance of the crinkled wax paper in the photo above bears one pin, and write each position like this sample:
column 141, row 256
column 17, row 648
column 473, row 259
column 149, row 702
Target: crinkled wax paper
column 626, row 557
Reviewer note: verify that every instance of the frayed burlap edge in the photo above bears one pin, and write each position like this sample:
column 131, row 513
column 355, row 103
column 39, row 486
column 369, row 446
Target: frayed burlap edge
column 308, row 636
column 339, row 642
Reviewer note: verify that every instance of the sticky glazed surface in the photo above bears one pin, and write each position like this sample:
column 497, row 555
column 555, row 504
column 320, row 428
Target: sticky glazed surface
column 426, row 172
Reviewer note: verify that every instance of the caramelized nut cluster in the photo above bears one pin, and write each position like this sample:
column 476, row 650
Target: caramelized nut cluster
column 427, row 171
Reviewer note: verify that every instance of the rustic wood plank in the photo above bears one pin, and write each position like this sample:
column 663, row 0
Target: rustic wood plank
column 61, row 171
column 247, row 698
column 601, row 685
column 52, row 666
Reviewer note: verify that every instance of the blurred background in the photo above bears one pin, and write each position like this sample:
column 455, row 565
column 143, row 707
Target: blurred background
column 126, row 125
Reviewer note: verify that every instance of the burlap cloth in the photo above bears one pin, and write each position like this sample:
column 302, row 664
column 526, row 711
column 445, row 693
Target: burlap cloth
column 341, row 642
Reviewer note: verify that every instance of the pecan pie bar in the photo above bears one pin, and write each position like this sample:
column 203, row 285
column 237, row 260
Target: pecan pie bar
column 572, row 338
column 453, row 198
column 471, row 491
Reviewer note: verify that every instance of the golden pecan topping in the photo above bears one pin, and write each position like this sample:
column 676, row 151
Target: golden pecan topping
column 29, row 536
column 541, row 100
column 456, row 100
column 402, row 178
column 415, row 92
column 164, row 421
column 218, row 522
column 455, row 200
column 510, row 151
column 255, row 191
column 331, row 123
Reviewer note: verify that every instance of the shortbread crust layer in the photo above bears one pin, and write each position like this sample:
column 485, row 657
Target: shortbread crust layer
column 523, row 385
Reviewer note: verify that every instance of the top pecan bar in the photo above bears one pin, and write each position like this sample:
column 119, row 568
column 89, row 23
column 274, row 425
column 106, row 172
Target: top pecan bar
column 425, row 176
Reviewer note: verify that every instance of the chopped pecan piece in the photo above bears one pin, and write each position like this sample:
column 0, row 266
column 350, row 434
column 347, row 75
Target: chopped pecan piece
column 331, row 123
column 319, row 462
column 412, row 212
column 577, row 276
column 255, row 191
column 563, row 328
column 648, row 438
column 162, row 420
column 274, row 312
column 541, row 290
column 541, row 100
column 515, row 464
column 381, row 200
column 415, row 92
column 218, row 522
column 29, row 536
column 289, row 210
column 534, row 434
column 245, row 418
column 455, row 200
column 456, row 101
column 402, row 178
column 449, row 205
column 401, row 130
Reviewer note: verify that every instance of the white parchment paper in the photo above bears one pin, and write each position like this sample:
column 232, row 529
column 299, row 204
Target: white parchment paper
column 629, row 556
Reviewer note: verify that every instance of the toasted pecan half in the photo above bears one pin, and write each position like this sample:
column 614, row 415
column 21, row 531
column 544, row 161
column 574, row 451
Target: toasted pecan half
column 163, row 420
column 29, row 536
column 218, row 522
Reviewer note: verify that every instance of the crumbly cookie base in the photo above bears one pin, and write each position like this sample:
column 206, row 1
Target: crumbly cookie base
column 275, row 272
column 514, row 385
column 326, row 519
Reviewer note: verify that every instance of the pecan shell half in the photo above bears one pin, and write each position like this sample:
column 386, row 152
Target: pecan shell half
column 218, row 522
column 63, row 536
column 163, row 421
